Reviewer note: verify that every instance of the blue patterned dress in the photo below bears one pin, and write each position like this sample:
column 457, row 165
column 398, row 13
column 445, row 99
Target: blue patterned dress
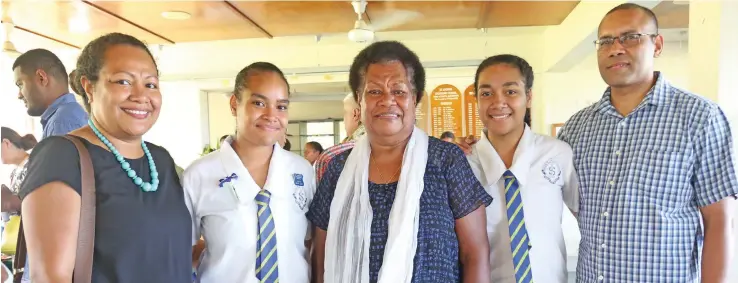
column 451, row 192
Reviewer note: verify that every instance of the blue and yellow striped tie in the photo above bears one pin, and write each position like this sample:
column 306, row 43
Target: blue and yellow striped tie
column 266, row 241
column 516, row 224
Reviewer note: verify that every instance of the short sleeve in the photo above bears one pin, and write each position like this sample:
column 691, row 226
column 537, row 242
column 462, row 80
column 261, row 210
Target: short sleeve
column 570, row 190
column 465, row 193
column 55, row 159
column 62, row 127
column 320, row 207
column 320, row 165
column 189, row 184
column 714, row 172
column 310, row 182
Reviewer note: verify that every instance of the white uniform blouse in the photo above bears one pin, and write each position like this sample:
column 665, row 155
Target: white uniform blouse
column 226, row 216
column 544, row 169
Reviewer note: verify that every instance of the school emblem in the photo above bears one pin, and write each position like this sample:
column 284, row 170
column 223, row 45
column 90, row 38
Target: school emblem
column 551, row 171
column 298, row 179
column 299, row 194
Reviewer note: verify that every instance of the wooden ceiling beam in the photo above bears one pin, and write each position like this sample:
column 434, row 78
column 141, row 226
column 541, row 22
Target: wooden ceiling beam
column 245, row 17
column 45, row 36
column 483, row 14
column 126, row 20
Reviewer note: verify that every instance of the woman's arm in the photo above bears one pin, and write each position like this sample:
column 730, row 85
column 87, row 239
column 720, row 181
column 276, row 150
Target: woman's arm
column 318, row 260
column 468, row 201
column 473, row 247
column 197, row 252
column 50, row 223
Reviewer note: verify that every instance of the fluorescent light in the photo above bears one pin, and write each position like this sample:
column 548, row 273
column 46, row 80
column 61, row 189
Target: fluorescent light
column 175, row 15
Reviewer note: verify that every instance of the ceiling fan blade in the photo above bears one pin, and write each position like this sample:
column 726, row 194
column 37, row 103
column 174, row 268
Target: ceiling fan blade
column 395, row 18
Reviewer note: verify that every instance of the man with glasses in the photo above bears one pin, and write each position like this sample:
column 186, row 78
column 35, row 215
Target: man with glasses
column 656, row 167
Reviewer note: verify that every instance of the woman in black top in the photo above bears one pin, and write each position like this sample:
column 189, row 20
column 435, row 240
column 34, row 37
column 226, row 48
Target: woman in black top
column 143, row 228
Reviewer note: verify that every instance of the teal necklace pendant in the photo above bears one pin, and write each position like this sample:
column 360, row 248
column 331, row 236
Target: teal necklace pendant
column 145, row 186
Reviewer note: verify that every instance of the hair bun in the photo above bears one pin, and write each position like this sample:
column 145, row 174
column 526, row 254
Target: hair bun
column 76, row 84
column 28, row 142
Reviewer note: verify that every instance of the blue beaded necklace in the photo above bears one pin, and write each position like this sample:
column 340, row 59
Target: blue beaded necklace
column 145, row 186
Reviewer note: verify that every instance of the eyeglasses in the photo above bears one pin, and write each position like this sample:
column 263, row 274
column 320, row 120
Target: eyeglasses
column 627, row 40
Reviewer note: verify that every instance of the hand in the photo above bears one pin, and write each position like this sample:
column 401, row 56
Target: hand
column 466, row 144
column 5, row 192
column 10, row 202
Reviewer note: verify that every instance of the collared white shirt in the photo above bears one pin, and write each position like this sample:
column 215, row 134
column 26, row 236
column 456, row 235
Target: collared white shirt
column 227, row 216
column 543, row 167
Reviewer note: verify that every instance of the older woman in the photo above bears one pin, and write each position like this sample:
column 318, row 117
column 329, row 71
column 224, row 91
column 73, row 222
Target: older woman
column 142, row 226
column 400, row 206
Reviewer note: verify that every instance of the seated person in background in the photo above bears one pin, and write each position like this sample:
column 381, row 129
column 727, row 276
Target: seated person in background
column 448, row 137
column 312, row 150
column 13, row 151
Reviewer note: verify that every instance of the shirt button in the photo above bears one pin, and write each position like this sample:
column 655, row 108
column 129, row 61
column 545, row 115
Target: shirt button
column 605, row 214
column 600, row 277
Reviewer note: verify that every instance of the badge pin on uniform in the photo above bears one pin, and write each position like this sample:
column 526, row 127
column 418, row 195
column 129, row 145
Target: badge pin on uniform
column 229, row 182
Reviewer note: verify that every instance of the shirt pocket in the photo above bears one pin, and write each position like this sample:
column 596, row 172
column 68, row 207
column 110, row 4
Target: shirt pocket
column 662, row 177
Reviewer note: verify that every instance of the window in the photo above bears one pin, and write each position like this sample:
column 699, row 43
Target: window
column 321, row 132
column 342, row 130
column 327, row 133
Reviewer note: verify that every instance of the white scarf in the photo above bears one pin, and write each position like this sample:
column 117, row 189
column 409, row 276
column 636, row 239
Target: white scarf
column 349, row 228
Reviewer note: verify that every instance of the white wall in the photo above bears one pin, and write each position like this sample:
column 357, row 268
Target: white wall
column 566, row 93
column 182, row 127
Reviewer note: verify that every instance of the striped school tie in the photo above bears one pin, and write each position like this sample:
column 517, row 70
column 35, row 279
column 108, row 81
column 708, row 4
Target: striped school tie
column 518, row 235
column 266, row 242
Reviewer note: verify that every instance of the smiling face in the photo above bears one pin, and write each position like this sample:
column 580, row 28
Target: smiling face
column 261, row 113
column 388, row 100
column 502, row 99
column 631, row 62
column 125, row 101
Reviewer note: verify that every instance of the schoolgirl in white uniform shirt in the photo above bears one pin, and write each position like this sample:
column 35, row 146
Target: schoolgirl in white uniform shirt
column 248, row 199
column 530, row 177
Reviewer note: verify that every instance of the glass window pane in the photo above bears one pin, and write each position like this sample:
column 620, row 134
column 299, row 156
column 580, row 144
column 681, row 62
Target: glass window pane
column 293, row 129
column 319, row 128
column 342, row 130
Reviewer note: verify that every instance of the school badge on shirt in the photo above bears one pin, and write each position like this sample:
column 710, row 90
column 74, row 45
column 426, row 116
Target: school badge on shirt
column 551, row 171
column 299, row 194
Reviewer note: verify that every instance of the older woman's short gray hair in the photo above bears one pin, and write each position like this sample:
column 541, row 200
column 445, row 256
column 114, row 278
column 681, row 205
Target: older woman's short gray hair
column 384, row 52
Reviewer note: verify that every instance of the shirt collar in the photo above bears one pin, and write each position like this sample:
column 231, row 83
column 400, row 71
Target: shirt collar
column 64, row 99
column 276, row 181
column 657, row 95
column 493, row 165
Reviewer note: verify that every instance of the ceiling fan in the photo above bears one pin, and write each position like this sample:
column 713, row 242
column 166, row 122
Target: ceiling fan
column 364, row 32
column 8, row 27
column 8, row 46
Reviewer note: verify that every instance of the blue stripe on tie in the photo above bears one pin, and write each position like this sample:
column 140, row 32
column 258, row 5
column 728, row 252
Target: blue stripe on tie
column 266, row 243
column 519, row 241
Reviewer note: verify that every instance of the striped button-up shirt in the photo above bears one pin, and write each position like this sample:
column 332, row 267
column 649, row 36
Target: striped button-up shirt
column 643, row 179
column 321, row 164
